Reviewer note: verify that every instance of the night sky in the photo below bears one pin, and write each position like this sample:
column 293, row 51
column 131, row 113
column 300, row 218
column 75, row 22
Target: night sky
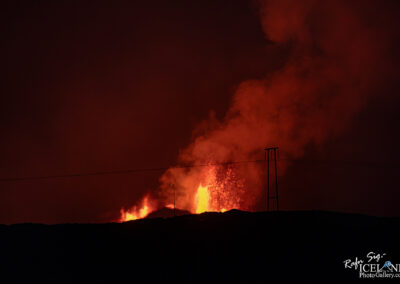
column 91, row 86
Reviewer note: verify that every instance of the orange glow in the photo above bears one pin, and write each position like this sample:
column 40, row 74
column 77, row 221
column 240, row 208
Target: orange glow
column 170, row 206
column 211, row 189
column 202, row 199
column 216, row 193
column 136, row 212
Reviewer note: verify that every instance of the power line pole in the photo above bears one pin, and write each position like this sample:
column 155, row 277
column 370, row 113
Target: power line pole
column 173, row 185
column 268, row 152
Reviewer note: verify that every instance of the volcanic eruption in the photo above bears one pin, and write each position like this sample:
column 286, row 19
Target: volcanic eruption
column 335, row 53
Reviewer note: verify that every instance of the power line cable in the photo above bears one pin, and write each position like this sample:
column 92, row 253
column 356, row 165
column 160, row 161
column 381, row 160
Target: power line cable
column 128, row 171
column 115, row 172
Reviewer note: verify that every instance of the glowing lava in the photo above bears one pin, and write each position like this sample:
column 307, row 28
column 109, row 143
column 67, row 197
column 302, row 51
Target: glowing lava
column 217, row 192
column 210, row 190
column 202, row 199
column 135, row 212
column 170, row 206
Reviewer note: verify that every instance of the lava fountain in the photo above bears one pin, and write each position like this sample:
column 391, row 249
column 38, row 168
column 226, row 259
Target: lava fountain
column 137, row 212
column 202, row 199
column 212, row 188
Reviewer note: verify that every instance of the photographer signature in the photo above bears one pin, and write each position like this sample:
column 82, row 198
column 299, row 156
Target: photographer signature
column 371, row 256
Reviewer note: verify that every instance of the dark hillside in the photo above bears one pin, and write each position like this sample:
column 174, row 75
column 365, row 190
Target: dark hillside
column 235, row 246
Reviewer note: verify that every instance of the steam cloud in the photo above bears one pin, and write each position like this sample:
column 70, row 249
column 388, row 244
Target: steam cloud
column 337, row 61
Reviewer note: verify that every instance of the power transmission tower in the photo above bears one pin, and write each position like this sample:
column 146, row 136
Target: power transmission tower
column 268, row 152
column 173, row 186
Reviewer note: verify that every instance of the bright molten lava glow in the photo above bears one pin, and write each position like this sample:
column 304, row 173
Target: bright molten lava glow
column 202, row 199
column 136, row 212
column 212, row 189
column 170, row 206
column 217, row 192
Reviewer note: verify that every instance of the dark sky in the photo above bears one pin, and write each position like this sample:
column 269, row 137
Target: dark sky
column 92, row 86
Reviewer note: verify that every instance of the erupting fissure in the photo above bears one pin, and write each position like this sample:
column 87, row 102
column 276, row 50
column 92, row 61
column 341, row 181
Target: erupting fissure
column 214, row 192
column 202, row 199
column 136, row 213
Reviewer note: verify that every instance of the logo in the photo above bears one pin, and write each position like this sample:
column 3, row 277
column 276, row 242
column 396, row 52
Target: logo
column 374, row 265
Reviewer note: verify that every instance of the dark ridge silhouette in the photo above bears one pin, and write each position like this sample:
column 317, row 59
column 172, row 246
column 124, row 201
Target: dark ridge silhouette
column 167, row 213
column 230, row 247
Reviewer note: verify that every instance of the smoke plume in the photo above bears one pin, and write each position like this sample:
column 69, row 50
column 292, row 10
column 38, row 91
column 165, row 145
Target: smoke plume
column 336, row 64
